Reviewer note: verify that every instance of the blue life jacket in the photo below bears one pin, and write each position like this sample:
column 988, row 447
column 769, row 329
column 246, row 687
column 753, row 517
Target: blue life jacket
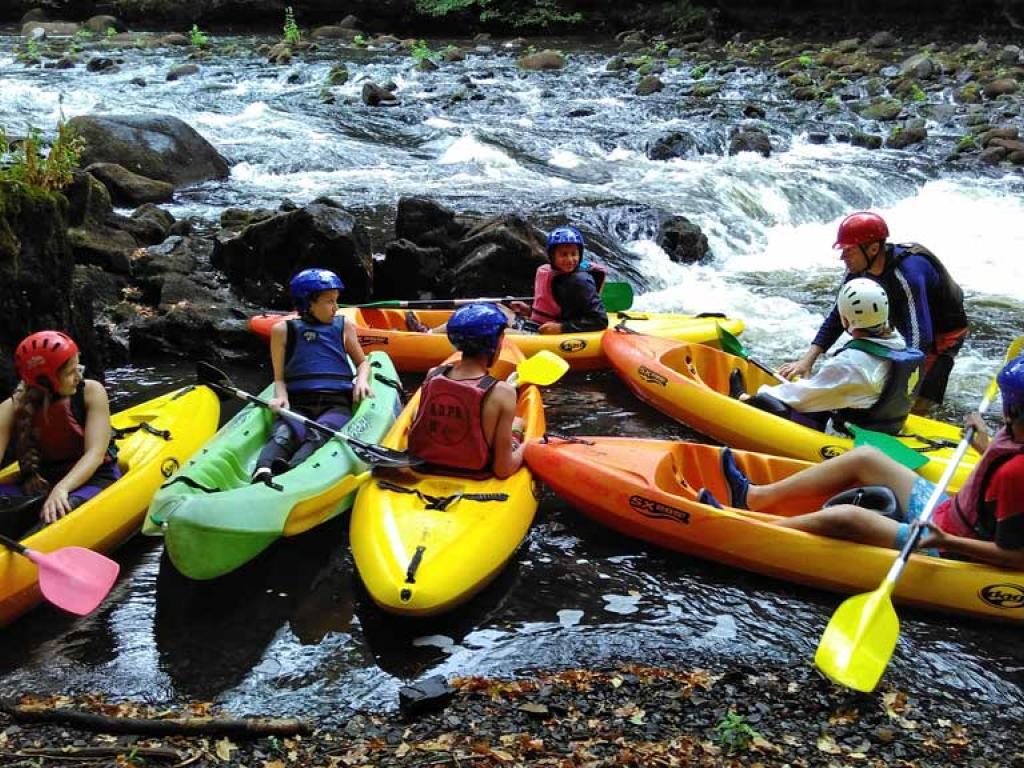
column 315, row 357
column 890, row 411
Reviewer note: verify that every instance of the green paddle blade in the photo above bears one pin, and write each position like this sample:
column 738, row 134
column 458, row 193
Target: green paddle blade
column 617, row 297
column 731, row 344
column 860, row 639
column 888, row 445
column 543, row 368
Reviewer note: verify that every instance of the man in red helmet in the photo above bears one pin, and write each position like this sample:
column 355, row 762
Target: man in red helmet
column 926, row 306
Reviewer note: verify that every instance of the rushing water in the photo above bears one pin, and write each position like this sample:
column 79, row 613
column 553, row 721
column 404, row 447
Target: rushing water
column 293, row 632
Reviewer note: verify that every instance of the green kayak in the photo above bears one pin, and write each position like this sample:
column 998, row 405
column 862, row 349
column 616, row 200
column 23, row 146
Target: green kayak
column 214, row 519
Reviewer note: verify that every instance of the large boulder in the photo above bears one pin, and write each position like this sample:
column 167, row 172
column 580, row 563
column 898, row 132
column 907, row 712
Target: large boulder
column 36, row 269
column 261, row 257
column 683, row 240
column 426, row 223
column 408, row 271
column 93, row 229
column 500, row 256
column 158, row 147
column 127, row 188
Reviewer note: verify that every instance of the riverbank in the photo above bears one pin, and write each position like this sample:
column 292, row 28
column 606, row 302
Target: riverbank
column 629, row 715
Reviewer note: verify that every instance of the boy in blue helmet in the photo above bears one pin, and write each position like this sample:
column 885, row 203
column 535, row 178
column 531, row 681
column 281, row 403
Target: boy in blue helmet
column 320, row 371
column 566, row 293
column 466, row 421
column 983, row 521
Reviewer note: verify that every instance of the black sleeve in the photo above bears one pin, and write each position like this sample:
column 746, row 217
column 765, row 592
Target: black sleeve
column 582, row 308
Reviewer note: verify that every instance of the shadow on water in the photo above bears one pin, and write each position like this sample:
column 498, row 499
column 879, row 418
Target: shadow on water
column 210, row 634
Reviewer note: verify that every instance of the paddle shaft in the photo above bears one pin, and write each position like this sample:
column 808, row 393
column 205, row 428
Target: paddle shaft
column 12, row 544
column 439, row 303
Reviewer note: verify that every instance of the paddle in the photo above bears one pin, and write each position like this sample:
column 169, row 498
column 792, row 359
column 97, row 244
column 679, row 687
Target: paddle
column 887, row 444
column 368, row 453
column 861, row 636
column 617, row 297
column 73, row 578
column 543, row 368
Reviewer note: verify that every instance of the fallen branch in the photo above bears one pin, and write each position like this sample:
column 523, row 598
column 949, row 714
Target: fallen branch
column 207, row 726
column 96, row 753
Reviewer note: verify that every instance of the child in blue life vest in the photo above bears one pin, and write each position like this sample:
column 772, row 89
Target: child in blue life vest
column 320, row 371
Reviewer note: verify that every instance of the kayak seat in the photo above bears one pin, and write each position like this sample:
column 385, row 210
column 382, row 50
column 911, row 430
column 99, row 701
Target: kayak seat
column 878, row 498
column 682, row 360
column 670, row 477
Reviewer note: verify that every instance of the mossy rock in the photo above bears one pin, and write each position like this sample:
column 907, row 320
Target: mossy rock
column 703, row 90
column 882, row 109
column 969, row 94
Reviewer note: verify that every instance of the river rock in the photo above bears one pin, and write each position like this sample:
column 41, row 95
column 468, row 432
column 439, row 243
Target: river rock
column 335, row 32
column 750, row 140
column 175, row 39
column 683, row 240
column 993, row 155
column 882, row 40
column 99, row 25
column 920, row 67
column 998, row 133
column 882, row 109
column 374, row 95
column 262, row 257
column 149, row 224
column 865, row 140
column 674, row 144
column 1000, row 87
column 183, row 70
column 49, row 28
column 499, row 256
column 429, row 224
column 408, row 271
column 901, row 138
column 546, row 59
column 159, row 147
column 127, row 188
column 648, row 85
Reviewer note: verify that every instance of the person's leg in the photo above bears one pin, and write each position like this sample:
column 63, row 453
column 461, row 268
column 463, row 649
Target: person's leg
column 861, row 466
column 845, row 521
column 937, row 367
column 335, row 418
column 284, row 439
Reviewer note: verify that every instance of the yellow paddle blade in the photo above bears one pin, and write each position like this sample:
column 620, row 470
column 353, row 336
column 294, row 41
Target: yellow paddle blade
column 859, row 640
column 543, row 368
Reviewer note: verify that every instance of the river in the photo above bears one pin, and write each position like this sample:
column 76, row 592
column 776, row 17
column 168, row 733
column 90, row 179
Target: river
column 294, row 633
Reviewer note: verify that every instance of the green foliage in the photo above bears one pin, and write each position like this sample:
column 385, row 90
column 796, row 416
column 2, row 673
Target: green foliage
column 686, row 16
column 26, row 164
column 661, row 47
column 533, row 14
column 421, row 51
column 805, row 61
column 359, row 41
column 110, row 32
column 967, row 143
column 698, row 72
column 197, row 37
column 734, row 733
column 916, row 94
column 291, row 29
column 31, row 52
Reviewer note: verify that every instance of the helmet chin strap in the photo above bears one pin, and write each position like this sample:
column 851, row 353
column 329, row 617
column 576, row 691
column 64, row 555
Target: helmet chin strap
column 871, row 259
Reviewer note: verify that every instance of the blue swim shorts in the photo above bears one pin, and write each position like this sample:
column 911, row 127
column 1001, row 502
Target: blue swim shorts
column 919, row 496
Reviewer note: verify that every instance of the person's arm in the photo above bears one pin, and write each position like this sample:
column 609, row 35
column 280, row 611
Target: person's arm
column 830, row 330
column 974, row 549
column 278, row 343
column 6, row 424
column 582, row 308
column 97, row 441
column 508, row 455
column 361, row 386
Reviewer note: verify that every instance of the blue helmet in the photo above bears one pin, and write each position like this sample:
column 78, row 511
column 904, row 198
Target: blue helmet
column 1011, row 387
column 563, row 235
column 310, row 281
column 476, row 328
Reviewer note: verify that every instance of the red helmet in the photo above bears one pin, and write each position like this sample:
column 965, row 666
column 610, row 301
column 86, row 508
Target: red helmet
column 861, row 228
column 41, row 355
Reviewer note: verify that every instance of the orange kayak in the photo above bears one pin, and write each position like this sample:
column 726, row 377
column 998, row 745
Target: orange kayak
column 648, row 489
column 690, row 383
column 386, row 330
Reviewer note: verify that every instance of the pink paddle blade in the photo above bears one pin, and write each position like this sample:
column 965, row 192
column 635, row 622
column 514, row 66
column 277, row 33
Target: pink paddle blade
column 75, row 578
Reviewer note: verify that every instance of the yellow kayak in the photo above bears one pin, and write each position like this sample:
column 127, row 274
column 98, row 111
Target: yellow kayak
column 386, row 330
column 648, row 489
column 690, row 383
column 425, row 543
column 173, row 426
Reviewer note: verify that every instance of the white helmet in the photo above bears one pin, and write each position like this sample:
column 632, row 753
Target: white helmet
column 863, row 304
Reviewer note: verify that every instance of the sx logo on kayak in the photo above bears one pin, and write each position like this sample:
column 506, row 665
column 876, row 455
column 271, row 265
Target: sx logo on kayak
column 655, row 509
column 1003, row 595
column 651, row 377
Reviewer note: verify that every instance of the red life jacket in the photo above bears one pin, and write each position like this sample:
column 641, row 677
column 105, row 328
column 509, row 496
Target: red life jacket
column 969, row 502
column 545, row 308
column 448, row 429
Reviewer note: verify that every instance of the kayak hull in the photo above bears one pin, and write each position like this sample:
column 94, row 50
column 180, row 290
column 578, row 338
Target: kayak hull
column 189, row 415
column 647, row 489
column 690, row 383
column 420, row 557
column 214, row 519
column 385, row 329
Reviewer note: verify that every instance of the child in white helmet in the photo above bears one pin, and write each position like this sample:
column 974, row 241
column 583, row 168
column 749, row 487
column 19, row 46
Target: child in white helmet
column 871, row 381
